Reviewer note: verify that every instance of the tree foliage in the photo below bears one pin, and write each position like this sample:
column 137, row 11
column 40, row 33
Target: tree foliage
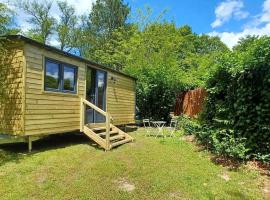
column 238, row 100
column 40, row 18
column 66, row 26
column 107, row 16
column 6, row 21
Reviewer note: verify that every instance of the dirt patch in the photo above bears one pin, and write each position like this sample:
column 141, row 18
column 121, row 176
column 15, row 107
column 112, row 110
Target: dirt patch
column 263, row 168
column 266, row 188
column 41, row 178
column 225, row 176
column 176, row 195
column 125, row 185
column 188, row 138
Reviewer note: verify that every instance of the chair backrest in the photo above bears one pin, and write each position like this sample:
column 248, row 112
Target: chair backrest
column 146, row 123
column 173, row 123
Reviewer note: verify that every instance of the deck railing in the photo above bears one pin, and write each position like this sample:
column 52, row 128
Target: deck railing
column 107, row 116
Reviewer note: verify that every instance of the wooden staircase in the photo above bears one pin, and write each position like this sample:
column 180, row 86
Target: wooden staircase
column 97, row 132
column 106, row 134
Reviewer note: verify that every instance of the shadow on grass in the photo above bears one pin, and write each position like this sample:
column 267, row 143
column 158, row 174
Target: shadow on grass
column 237, row 195
column 18, row 151
column 224, row 161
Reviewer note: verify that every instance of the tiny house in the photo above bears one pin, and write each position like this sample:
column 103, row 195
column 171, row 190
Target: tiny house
column 44, row 91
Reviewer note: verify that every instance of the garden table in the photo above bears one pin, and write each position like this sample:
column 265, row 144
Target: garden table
column 159, row 125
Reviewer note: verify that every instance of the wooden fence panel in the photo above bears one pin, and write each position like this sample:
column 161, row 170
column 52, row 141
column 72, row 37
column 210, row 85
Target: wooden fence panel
column 190, row 103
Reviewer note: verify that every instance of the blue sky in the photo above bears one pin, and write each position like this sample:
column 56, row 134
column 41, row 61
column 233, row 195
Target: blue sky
column 228, row 19
column 197, row 13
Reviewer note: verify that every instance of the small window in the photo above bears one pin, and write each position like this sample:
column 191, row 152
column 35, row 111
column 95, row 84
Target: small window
column 60, row 77
column 69, row 78
column 52, row 75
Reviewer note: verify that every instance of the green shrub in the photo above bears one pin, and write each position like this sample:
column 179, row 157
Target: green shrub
column 223, row 142
column 188, row 125
column 220, row 141
column 238, row 103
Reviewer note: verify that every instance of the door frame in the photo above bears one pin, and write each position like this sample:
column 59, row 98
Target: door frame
column 105, row 89
column 96, row 89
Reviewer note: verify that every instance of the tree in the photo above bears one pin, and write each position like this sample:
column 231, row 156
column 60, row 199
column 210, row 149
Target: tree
column 66, row 26
column 6, row 21
column 84, row 40
column 153, row 59
column 40, row 18
column 108, row 15
column 245, row 43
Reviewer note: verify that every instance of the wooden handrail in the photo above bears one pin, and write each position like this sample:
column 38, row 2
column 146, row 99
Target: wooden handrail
column 94, row 107
column 107, row 116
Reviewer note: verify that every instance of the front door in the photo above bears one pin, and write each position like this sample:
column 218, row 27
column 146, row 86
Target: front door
column 96, row 94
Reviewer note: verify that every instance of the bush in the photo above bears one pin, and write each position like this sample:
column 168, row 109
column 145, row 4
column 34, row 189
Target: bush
column 220, row 141
column 223, row 142
column 238, row 104
column 188, row 125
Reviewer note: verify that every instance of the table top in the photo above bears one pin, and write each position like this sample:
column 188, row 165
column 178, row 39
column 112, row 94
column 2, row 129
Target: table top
column 159, row 122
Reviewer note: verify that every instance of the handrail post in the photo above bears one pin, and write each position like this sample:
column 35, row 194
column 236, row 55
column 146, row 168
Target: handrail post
column 108, row 127
column 82, row 115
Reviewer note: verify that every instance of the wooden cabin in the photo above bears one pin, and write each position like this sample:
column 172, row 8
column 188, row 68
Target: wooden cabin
column 48, row 91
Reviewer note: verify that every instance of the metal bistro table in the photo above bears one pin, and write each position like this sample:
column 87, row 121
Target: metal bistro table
column 159, row 125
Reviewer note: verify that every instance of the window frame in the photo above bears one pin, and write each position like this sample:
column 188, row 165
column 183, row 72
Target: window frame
column 61, row 76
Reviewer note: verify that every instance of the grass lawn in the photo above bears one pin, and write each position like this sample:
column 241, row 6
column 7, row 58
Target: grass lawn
column 67, row 167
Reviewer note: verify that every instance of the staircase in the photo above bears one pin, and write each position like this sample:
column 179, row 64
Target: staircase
column 106, row 134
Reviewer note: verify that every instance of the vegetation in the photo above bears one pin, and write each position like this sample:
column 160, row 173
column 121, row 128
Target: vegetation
column 6, row 25
column 6, row 19
column 238, row 101
column 167, row 59
column 66, row 167
column 40, row 18
column 66, row 26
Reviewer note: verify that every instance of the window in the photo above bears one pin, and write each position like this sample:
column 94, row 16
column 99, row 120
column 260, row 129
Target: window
column 52, row 80
column 60, row 77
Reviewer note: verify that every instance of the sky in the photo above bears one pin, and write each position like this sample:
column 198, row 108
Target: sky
column 228, row 19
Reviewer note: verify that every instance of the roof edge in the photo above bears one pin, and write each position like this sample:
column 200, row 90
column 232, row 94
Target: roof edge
column 48, row 47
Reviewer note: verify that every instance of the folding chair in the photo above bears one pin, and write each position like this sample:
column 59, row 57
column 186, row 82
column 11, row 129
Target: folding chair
column 172, row 127
column 147, row 127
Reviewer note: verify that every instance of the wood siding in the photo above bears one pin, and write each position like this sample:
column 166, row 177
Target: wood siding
column 121, row 98
column 54, row 112
column 50, row 112
column 11, row 91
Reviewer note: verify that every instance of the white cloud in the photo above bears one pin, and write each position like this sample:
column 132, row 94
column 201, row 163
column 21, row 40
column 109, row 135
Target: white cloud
column 265, row 16
column 259, row 25
column 227, row 10
column 82, row 6
column 231, row 38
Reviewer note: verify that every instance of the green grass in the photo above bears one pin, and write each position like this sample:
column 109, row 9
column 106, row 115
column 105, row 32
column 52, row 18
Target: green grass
column 67, row 167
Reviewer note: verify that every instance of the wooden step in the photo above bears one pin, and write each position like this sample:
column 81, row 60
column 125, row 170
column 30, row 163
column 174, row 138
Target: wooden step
column 117, row 137
column 95, row 137
column 104, row 133
column 98, row 129
column 115, row 144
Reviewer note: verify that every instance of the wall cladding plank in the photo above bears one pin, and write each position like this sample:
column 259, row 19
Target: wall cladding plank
column 11, row 91
column 121, row 99
column 54, row 112
column 50, row 112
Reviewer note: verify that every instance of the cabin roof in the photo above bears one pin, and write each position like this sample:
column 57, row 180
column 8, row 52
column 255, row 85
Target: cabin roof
column 56, row 50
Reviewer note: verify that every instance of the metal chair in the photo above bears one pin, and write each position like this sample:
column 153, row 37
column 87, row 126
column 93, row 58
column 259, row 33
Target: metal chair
column 147, row 127
column 172, row 127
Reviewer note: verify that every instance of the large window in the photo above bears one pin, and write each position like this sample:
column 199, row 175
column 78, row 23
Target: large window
column 60, row 77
